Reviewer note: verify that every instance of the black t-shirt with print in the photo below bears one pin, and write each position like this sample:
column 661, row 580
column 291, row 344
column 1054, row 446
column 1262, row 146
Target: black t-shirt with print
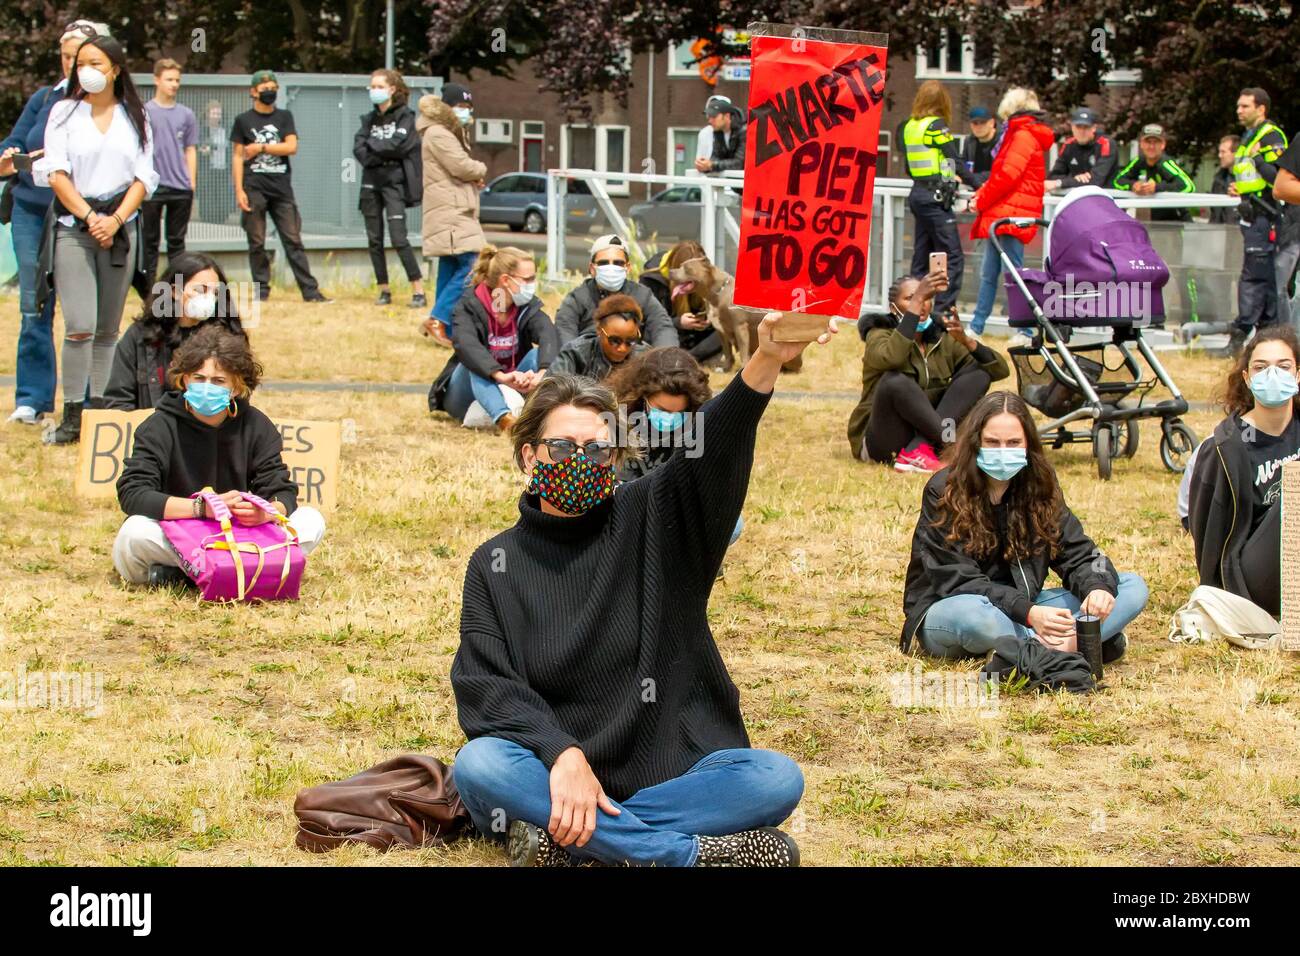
column 1267, row 455
column 265, row 173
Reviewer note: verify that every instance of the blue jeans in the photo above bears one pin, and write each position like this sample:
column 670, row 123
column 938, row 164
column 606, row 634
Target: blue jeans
column 735, row 533
column 728, row 791
column 465, row 388
column 968, row 625
column 450, row 286
column 37, row 372
column 990, row 273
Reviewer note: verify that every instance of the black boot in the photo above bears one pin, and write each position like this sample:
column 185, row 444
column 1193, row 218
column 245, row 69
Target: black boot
column 69, row 430
column 1114, row 649
column 168, row 576
column 532, row 846
column 1237, row 341
column 766, row 847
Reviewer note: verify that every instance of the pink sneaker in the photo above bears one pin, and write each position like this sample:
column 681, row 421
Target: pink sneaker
column 922, row 459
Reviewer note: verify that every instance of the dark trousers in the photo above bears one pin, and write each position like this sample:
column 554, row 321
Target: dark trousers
column 1257, row 287
column 901, row 411
column 284, row 212
column 387, row 202
column 176, row 203
column 703, row 344
column 1260, row 563
column 936, row 231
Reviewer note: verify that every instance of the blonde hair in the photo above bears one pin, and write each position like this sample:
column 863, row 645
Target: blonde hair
column 932, row 100
column 165, row 64
column 493, row 263
column 1017, row 100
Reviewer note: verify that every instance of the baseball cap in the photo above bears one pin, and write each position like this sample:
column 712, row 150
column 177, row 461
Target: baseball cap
column 455, row 94
column 1153, row 130
column 264, row 76
column 717, row 104
column 979, row 114
column 1084, row 117
column 610, row 241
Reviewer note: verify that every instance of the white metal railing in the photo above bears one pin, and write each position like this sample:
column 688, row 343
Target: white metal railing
column 891, row 193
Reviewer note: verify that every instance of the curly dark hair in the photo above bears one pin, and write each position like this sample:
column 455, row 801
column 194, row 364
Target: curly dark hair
column 620, row 306
column 160, row 318
column 1237, row 398
column 670, row 370
column 231, row 352
column 1033, row 497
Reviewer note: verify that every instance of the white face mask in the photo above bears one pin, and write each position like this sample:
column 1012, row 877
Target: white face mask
column 202, row 305
column 525, row 294
column 463, row 114
column 91, row 79
column 611, row 278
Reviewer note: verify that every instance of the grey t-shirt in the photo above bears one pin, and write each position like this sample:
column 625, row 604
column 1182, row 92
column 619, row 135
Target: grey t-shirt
column 174, row 129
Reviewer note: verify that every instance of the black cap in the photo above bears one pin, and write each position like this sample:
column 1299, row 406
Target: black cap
column 979, row 114
column 717, row 104
column 456, row 95
column 1084, row 117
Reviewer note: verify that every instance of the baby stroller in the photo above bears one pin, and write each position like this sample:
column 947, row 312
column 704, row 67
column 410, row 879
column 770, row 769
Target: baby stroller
column 1100, row 270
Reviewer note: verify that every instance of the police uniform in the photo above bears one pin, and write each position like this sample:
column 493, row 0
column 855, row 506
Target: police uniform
column 1168, row 177
column 1253, row 172
column 931, row 152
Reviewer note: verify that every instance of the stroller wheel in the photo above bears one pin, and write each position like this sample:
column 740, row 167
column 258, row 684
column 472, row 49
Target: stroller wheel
column 1103, row 448
column 1129, row 438
column 1176, row 445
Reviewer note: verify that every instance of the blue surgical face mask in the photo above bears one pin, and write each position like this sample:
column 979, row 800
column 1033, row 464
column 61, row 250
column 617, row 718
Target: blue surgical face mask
column 1002, row 464
column 1273, row 386
column 664, row 421
column 379, row 96
column 463, row 114
column 206, row 398
column 924, row 323
column 611, row 278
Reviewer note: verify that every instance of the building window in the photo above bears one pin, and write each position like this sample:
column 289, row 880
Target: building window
column 684, row 146
column 883, row 150
column 494, row 131
column 955, row 56
column 681, row 60
column 602, row 147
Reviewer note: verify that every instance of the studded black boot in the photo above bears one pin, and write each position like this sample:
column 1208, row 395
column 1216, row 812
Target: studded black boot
column 528, row 845
column 766, row 847
column 69, row 430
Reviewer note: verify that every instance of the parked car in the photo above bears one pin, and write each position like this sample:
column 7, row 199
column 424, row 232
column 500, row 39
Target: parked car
column 674, row 212
column 518, row 200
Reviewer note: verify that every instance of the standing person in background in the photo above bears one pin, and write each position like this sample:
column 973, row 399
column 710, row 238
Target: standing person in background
column 1222, row 215
column 388, row 149
column 729, row 125
column 176, row 158
column 1287, row 189
column 452, row 179
column 977, row 150
column 1151, row 172
column 36, row 373
column 1087, row 157
column 265, row 137
column 99, row 162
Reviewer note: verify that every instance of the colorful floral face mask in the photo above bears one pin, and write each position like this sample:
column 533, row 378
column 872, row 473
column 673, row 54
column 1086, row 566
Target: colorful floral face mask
column 574, row 485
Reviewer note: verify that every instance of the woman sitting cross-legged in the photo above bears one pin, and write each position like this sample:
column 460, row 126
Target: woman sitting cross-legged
column 197, row 293
column 502, row 338
column 204, row 434
column 920, row 376
column 614, row 337
column 993, row 523
column 602, row 722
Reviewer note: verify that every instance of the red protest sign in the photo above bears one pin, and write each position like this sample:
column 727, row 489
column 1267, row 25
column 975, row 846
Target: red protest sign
column 810, row 170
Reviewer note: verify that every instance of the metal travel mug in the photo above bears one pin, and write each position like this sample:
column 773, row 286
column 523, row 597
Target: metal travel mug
column 1088, row 630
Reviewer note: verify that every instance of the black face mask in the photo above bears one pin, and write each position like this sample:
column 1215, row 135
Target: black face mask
column 267, row 97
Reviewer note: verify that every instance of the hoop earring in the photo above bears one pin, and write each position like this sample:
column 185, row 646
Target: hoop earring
column 234, row 409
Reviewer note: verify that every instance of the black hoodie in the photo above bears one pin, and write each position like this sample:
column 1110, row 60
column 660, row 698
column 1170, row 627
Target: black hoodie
column 175, row 454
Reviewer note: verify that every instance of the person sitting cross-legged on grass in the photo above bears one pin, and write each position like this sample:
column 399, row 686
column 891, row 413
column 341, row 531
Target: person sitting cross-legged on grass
column 993, row 523
column 612, row 340
column 602, row 722
column 920, row 376
column 203, row 434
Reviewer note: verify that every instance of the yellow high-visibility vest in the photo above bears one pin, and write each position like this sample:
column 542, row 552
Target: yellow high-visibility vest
column 922, row 149
column 1244, row 173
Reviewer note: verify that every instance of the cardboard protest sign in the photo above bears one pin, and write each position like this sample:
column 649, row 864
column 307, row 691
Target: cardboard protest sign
column 311, row 451
column 815, row 103
column 1290, row 556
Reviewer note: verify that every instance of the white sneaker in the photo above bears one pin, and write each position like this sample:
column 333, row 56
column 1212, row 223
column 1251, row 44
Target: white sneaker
column 24, row 415
column 1019, row 340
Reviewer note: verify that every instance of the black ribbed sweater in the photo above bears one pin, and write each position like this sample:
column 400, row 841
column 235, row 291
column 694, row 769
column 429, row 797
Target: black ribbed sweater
column 592, row 631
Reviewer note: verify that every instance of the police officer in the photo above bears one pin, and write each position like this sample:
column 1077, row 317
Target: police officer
column 1087, row 157
column 932, row 161
column 1151, row 172
column 1253, row 173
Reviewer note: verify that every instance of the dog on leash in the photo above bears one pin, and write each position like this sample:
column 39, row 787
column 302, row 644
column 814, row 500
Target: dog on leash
column 737, row 327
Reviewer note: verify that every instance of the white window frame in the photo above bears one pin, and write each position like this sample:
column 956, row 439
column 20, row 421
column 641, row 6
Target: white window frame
column 967, row 72
column 885, row 144
column 524, row 134
column 602, row 151
column 675, row 70
column 509, row 133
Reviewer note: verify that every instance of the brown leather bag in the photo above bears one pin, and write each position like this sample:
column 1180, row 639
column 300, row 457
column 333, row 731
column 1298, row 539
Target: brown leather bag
column 406, row 802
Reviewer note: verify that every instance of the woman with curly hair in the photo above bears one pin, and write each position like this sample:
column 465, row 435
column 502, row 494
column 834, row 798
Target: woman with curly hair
column 661, row 390
column 993, row 523
column 204, row 434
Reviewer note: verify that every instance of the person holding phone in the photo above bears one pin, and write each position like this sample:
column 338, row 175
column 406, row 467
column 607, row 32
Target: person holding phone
column 920, row 376
column 992, row 525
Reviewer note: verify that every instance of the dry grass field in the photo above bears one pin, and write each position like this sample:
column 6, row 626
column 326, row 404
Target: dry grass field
column 214, row 717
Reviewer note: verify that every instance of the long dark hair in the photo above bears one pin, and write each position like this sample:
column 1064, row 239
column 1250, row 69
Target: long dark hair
column 123, row 88
column 1033, row 496
column 162, row 309
column 1237, row 398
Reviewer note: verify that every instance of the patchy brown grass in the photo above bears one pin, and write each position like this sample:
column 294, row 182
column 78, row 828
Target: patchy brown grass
column 214, row 717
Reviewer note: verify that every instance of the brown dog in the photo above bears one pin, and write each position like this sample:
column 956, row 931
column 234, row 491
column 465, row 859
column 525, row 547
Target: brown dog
column 738, row 328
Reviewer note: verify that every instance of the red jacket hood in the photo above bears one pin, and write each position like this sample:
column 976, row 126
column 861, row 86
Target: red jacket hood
column 1036, row 128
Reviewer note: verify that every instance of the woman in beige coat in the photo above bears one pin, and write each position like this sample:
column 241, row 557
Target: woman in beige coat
column 452, row 179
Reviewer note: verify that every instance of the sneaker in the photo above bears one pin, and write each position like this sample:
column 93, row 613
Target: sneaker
column 922, row 459
column 24, row 415
column 528, row 845
column 418, row 301
column 768, row 847
column 1019, row 341
column 317, row 297
column 385, row 298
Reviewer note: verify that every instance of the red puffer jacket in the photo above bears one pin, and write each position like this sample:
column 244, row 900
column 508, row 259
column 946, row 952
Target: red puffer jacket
column 1015, row 184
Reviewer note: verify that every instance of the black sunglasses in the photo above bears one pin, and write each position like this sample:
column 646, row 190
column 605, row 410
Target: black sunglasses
column 562, row 449
column 610, row 262
column 619, row 341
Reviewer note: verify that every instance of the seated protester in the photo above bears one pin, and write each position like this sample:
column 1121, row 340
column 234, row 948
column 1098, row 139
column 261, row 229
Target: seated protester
column 501, row 338
column 1151, row 171
column 197, row 293
column 608, row 276
column 204, row 434
column 606, row 601
column 1185, row 487
column 919, row 378
column 683, row 303
column 1236, row 489
column 992, row 524
column 598, row 351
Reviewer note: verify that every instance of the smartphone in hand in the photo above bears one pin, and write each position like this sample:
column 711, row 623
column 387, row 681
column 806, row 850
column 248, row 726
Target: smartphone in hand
column 939, row 262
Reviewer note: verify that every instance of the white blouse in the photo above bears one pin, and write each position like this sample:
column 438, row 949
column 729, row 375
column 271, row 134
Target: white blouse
column 100, row 164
